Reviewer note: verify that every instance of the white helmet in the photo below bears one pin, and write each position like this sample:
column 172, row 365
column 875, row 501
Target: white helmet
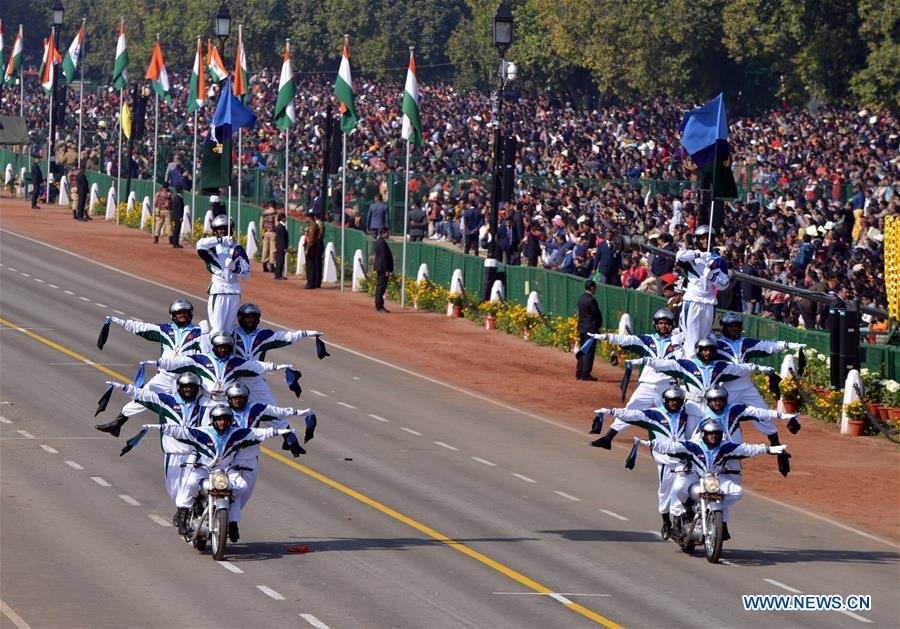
column 221, row 222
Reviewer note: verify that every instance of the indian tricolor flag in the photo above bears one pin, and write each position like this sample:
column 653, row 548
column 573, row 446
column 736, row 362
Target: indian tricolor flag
column 343, row 89
column 48, row 65
column 241, row 78
column 73, row 56
column 157, row 73
column 284, row 106
column 2, row 50
column 15, row 61
column 120, row 68
column 214, row 62
column 412, row 123
column 197, row 96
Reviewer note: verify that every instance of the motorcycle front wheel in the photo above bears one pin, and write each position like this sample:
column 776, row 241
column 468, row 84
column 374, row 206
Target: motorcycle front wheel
column 713, row 541
column 219, row 534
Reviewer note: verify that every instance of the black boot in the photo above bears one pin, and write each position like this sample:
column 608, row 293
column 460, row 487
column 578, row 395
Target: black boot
column 234, row 533
column 605, row 441
column 725, row 534
column 666, row 531
column 181, row 522
column 113, row 427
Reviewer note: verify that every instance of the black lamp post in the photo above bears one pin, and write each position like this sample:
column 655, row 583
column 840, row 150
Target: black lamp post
column 56, row 11
column 222, row 26
column 502, row 35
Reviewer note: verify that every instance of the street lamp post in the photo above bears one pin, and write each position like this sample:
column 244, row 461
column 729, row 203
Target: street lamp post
column 222, row 26
column 502, row 36
column 57, row 11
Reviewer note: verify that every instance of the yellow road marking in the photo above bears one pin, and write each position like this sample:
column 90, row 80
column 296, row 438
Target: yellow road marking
column 388, row 511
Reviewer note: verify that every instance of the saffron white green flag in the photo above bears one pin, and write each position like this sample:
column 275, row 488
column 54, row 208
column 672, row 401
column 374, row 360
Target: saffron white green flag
column 15, row 61
column 412, row 123
column 343, row 89
column 2, row 50
column 73, row 56
column 284, row 106
column 197, row 96
column 120, row 68
column 214, row 62
column 48, row 65
column 157, row 73
column 241, row 78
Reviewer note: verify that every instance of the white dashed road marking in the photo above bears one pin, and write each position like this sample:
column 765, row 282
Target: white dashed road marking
column 559, row 597
column 49, row 449
column 446, row 445
column 24, row 274
column 129, row 500
column 25, row 434
column 83, row 298
column 74, row 465
column 781, row 585
column 613, row 514
column 68, row 292
column 3, row 420
column 381, row 419
column 161, row 521
column 230, row 567
column 315, row 622
column 846, row 612
column 319, row 393
column 265, row 589
column 524, row 478
column 97, row 303
column 100, row 481
column 567, row 496
column 52, row 286
column 411, row 431
column 119, row 312
column 483, row 461
column 345, row 405
column 39, row 280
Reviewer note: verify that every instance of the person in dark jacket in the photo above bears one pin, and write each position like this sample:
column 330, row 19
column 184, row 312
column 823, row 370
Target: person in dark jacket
column 662, row 265
column 37, row 179
column 589, row 321
column 384, row 266
column 81, row 186
column 532, row 248
column 417, row 223
column 282, row 241
column 378, row 217
column 176, row 215
column 608, row 259
column 508, row 240
column 314, row 250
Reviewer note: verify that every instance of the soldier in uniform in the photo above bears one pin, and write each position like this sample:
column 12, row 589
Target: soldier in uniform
column 267, row 225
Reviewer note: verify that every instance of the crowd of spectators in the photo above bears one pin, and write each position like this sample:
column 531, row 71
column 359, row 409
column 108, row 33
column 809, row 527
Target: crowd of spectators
column 592, row 180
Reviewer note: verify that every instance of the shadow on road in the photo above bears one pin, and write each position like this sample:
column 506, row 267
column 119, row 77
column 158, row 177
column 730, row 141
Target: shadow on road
column 592, row 535
column 778, row 556
column 258, row 551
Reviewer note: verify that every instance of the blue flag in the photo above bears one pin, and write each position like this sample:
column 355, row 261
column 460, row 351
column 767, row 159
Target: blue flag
column 704, row 126
column 231, row 115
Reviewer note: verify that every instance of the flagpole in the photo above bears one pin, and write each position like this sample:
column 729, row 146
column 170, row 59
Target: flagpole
column 712, row 197
column 240, row 138
column 22, row 80
column 81, row 93
column 343, row 203
column 194, row 173
column 119, row 158
column 50, row 51
column 155, row 152
column 287, row 153
column 405, row 229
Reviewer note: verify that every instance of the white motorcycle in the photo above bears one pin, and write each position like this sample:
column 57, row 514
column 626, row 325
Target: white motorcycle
column 706, row 525
column 208, row 519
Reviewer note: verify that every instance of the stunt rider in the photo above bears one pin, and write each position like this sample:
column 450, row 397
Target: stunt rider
column 252, row 342
column 179, row 338
column 227, row 263
column 708, row 453
column 184, row 408
column 660, row 344
column 219, row 368
column 217, row 445
column 704, row 272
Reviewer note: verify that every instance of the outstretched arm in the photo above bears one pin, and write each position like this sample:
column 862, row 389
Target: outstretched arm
column 149, row 331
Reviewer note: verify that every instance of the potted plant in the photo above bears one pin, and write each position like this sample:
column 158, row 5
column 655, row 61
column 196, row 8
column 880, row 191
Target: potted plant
column 891, row 399
column 490, row 309
column 790, row 395
column 455, row 305
column 856, row 418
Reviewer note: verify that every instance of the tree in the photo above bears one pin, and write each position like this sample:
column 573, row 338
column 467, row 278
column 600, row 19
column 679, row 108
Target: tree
column 878, row 84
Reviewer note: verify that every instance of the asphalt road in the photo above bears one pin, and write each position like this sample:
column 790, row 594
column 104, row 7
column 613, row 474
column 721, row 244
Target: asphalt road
column 424, row 505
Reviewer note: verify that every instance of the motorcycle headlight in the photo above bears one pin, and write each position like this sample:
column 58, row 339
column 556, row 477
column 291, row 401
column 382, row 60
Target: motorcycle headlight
column 219, row 480
column 711, row 484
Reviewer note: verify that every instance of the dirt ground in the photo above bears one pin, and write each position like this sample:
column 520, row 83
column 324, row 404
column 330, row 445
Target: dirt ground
column 826, row 465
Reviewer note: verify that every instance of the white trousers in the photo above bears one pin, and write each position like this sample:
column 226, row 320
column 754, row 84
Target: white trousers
column 190, row 489
column 260, row 390
column 162, row 382
column 695, row 323
column 175, row 474
column 222, row 312
column 729, row 485
column 667, row 500
column 751, row 397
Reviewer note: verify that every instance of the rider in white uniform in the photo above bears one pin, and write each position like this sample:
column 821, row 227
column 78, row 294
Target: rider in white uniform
column 227, row 263
column 704, row 272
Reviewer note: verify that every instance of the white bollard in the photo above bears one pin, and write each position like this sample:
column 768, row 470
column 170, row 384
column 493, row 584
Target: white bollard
column 422, row 275
column 109, row 169
column 187, row 222
column 851, row 395
column 330, row 274
column 22, row 190
column 8, row 176
column 51, row 182
column 207, row 228
column 64, row 199
column 301, row 260
column 359, row 271
column 146, row 214
column 456, row 282
column 132, row 199
column 111, row 204
column 498, row 293
column 787, row 368
column 251, row 240
column 534, row 304
column 625, row 324
column 94, row 197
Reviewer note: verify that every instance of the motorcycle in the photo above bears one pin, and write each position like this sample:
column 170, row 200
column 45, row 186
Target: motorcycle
column 208, row 518
column 706, row 524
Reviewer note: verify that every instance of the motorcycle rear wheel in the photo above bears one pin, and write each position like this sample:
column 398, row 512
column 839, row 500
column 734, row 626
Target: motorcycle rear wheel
column 713, row 542
column 219, row 534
